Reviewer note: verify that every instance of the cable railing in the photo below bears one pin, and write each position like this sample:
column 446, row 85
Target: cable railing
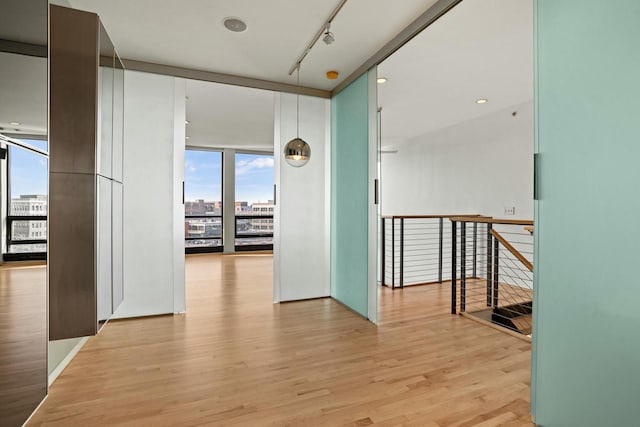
column 493, row 273
column 203, row 233
column 254, row 232
column 415, row 249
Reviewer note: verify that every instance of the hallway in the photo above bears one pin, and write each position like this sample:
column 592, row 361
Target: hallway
column 235, row 359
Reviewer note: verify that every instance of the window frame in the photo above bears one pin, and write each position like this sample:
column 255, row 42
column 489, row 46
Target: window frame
column 207, row 249
column 236, row 236
column 16, row 140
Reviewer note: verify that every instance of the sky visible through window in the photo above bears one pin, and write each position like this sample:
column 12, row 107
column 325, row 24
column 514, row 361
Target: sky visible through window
column 254, row 178
column 27, row 178
column 28, row 171
column 203, row 176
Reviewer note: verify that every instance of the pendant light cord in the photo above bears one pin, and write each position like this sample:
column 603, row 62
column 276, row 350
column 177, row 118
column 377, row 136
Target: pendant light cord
column 298, row 103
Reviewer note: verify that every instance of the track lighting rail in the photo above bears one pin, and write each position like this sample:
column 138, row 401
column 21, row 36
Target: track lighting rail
column 319, row 34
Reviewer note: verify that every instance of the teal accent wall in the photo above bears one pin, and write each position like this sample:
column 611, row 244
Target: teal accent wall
column 349, row 191
column 586, row 357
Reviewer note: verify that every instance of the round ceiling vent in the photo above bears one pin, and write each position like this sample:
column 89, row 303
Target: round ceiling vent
column 234, row 24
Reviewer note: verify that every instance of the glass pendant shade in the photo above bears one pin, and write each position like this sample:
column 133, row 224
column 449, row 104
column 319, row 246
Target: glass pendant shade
column 297, row 152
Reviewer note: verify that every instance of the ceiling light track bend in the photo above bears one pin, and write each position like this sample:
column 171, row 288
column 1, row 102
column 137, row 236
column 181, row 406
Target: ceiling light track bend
column 324, row 28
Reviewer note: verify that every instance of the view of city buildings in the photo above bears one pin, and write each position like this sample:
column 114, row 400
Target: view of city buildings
column 26, row 230
column 26, row 177
column 253, row 208
column 203, row 223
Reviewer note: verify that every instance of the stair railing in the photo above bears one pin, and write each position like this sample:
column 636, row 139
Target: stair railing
column 415, row 248
column 495, row 280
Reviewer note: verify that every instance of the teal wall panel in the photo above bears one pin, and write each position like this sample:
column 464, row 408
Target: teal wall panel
column 586, row 361
column 349, row 195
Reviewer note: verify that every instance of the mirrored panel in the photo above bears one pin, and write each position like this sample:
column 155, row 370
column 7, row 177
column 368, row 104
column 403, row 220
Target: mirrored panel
column 23, row 207
column 104, row 170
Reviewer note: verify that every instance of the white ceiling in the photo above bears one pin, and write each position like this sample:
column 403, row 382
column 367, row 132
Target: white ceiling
column 480, row 49
column 190, row 34
column 24, row 21
column 224, row 116
column 23, row 94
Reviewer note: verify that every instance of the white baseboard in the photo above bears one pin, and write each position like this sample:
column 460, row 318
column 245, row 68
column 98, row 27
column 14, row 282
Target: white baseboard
column 56, row 372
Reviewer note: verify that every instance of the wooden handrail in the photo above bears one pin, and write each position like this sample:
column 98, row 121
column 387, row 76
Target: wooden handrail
column 511, row 249
column 430, row 216
column 489, row 220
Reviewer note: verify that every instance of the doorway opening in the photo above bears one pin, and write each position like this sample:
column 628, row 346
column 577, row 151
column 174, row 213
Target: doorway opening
column 456, row 164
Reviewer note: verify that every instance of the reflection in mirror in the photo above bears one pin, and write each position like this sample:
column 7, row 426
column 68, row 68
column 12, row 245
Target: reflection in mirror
column 23, row 207
column 26, row 221
column 110, row 290
column 23, row 85
column 104, row 184
column 118, row 147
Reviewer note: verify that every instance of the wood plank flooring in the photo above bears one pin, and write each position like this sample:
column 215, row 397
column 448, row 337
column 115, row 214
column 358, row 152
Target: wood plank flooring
column 23, row 340
column 236, row 359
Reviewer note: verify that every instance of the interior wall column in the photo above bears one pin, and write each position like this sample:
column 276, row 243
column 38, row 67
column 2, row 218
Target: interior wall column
column 229, row 200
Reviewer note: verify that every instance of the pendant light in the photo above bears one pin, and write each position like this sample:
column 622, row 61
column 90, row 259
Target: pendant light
column 297, row 152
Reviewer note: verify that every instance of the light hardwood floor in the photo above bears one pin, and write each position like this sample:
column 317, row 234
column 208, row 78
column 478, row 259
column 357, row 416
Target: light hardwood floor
column 23, row 345
column 235, row 359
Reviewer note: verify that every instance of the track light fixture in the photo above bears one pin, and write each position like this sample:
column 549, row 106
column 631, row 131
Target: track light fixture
column 328, row 35
column 323, row 33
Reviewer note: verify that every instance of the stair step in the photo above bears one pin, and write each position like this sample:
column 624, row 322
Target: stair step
column 516, row 316
column 524, row 324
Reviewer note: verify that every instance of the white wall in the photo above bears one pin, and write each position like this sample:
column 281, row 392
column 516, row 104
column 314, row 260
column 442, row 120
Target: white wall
column 475, row 167
column 301, row 224
column 179, row 140
column 153, row 215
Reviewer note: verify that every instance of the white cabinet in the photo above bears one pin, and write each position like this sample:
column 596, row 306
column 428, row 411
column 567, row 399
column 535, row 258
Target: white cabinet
column 118, row 121
column 116, row 233
column 104, row 243
column 105, row 122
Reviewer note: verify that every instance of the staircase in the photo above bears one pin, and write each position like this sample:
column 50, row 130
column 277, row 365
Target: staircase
column 495, row 270
column 517, row 317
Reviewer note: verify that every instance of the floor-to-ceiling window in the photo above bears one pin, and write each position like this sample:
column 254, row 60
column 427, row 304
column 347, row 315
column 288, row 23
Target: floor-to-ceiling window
column 254, row 201
column 26, row 220
column 203, row 201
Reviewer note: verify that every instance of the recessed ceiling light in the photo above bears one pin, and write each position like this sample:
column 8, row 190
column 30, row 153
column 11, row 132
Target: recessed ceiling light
column 481, row 101
column 186, row 122
column 15, row 124
column 234, row 24
column 381, row 80
column 187, row 137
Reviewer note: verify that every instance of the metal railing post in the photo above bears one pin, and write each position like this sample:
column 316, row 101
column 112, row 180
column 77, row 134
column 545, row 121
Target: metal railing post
column 441, row 252
column 383, row 249
column 463, row 266
column 496, row 251
column 475, row 250
column 489, row 265
column 393, row 253
column 454, row 265
column 402, row 252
